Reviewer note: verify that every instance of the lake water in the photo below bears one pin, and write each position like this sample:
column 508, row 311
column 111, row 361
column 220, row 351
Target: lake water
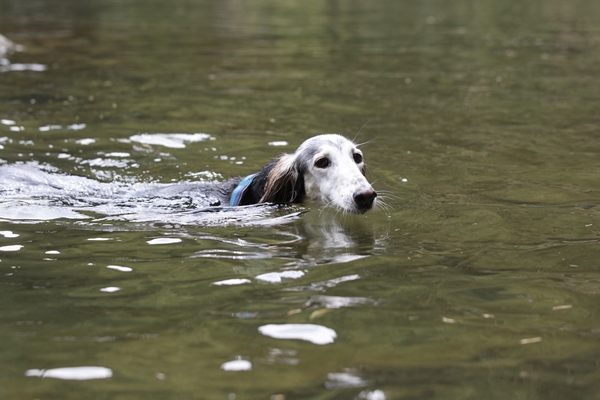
column 481, row 129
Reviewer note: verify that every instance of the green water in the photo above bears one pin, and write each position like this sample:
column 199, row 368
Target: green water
column 480, row 280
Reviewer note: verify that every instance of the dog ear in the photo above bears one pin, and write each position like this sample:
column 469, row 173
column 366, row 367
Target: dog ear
column 285, row 182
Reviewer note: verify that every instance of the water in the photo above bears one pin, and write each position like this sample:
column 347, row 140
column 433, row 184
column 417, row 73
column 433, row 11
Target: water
column 480, row 122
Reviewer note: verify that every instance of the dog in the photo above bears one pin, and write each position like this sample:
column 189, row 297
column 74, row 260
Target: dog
column 327, row 169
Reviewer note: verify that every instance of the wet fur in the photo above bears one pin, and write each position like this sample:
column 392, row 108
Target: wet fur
column 283, row 179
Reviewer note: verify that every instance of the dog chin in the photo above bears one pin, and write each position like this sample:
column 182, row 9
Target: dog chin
column 350, row 208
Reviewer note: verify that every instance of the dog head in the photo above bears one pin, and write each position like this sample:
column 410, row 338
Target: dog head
column 328, row 170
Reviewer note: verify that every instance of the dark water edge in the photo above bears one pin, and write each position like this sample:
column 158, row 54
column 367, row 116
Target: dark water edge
column 480, row 121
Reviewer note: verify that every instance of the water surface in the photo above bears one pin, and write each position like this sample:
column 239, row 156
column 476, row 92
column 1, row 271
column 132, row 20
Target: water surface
column 478, row 280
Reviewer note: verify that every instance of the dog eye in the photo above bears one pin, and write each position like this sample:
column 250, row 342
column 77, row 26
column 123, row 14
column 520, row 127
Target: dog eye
column 358, row 158
column 322, row 162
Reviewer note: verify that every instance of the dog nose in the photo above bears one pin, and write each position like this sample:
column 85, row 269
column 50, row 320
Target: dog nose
column 364, row 199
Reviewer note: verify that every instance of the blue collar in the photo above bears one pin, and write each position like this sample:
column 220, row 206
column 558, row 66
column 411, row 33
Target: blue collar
column 238, row 193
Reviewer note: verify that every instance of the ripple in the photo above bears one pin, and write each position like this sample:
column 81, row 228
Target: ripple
column 15, row 247
column 117, row 154
column 72, row 373
column 119, row 268
column 9, row 234
column 84, row 142
column 76, row 127
column 163, row 241
column 345, row 380
column 317, row 286
column 47, row 128
column 316, row 334
column 231, row 254
column 371, row 395
column 15, row 211
column 171, row 140
column 33, row 191
column 24, row 67
column 231, row 282
column 104, row 162
column 339, row 302
column 276, row 277
column 237, row 365
column 110, row 289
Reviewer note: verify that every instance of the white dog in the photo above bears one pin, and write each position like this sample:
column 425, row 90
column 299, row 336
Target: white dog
column 326, row 169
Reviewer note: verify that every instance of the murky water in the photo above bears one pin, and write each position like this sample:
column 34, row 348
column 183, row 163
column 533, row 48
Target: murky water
column 481, row 128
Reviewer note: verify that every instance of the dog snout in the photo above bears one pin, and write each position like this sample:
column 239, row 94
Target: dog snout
column 364, row 199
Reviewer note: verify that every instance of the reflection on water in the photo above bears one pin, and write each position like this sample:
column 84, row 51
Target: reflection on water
column 237, row 365
column 312, row 333
column 72, row 373
column 479, row 281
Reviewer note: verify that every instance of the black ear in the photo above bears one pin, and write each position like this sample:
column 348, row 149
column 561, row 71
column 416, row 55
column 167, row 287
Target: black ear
column 285, row 182
column 280, row 181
